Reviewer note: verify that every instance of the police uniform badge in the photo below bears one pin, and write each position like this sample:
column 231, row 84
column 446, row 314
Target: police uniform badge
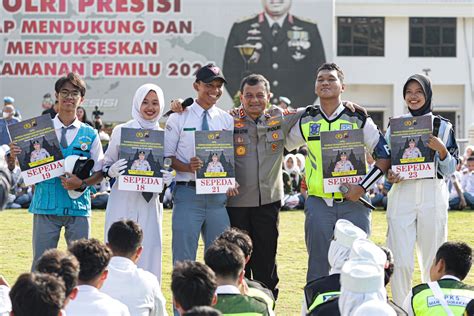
column 298, row 42
column 314, row 129
column 240, row 151
column 345, row 126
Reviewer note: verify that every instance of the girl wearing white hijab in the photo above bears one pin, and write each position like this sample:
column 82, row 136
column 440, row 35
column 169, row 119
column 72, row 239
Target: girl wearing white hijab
column 147, row 108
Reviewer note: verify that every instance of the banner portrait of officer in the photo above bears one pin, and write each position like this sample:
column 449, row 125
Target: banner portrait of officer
column 282, row 47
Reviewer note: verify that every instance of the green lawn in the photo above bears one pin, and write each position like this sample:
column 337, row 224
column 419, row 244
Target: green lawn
column 15, row 248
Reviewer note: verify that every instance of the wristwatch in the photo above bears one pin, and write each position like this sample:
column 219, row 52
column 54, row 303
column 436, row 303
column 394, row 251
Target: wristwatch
column 83, row 186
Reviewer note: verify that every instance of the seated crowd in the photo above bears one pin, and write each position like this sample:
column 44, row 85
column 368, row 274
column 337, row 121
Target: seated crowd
column 93, row 278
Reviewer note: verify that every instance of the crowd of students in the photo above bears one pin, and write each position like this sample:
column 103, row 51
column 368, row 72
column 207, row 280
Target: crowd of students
column 253, row 205
column 92, row 278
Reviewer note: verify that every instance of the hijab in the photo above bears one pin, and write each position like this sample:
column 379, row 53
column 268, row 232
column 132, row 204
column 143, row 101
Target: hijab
column 138, row 98
column 425, row 83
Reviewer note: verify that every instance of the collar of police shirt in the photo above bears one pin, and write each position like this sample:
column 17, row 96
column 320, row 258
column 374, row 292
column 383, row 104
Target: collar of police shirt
column 450, row 277
column 271, row 21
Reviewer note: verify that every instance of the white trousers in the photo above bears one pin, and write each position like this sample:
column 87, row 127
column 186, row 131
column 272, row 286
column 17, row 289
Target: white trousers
column 417, row 215
column 132, row 205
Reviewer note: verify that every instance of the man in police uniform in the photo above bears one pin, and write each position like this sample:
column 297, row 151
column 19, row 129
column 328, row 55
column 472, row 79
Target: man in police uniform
column 322, row 210
column 446, row 294
column 279, row 46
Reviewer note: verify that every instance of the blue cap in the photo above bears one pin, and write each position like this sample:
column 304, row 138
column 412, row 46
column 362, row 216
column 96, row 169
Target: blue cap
column 8, row 100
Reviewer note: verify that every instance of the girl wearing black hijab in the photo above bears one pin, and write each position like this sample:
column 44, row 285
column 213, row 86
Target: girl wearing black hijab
column 417, row 210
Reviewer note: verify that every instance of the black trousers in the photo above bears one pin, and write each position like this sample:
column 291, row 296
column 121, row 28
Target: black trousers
column 262, row 225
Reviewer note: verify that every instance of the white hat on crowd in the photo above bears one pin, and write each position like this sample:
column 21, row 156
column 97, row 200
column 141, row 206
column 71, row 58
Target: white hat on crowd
column 340, row 248
column 366, row 249
column 362, row 280
column 345, row 233
column 375, row 308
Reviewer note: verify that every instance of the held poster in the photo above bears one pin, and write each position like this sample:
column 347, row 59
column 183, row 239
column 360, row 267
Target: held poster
column 143, row 151
column 216, row 150
column 411, row 156
column 41, row 157
column 343, row 156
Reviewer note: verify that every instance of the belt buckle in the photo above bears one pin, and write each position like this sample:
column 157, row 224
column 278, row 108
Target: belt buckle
column 339, row 200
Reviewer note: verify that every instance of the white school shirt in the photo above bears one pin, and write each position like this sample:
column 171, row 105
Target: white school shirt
column 468, row 182
column 179, row 133
column 135, row 287
column 91, row 302
column 97, row 154
column 5, row 303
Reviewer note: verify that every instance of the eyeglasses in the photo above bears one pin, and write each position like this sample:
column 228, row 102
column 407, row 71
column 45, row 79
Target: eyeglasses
column 73, row 93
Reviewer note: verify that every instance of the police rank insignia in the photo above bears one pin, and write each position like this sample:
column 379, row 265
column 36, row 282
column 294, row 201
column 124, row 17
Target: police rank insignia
column 314, row 129
column 345, row 126
column 275, row 135
column 274, row 147
column 240, row 150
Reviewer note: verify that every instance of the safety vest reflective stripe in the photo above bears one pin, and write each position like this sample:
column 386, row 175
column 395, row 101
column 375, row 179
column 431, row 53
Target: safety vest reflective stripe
column 425, row 302
column 323, row 297
column 311, row 127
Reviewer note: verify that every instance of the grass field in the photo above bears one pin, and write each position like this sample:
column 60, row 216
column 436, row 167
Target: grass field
column 15, row 249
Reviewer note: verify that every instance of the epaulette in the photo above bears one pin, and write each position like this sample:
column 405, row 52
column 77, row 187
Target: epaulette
column 246, row 18
column 308, row 20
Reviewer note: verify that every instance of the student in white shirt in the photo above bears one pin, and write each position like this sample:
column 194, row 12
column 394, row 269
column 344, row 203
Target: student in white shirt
column 64, row 265
column 93, row 258
column 205, row 213
column 135, row 287
column 37, row 294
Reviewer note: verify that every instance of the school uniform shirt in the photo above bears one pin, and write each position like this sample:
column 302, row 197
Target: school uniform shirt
column 91, row 302
column 5, row 303
column 179, row 133
column 468, row 182
column 95, row 147
column 135, row 287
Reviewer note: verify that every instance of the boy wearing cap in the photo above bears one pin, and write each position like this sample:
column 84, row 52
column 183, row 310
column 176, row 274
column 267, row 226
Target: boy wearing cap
column 52, row 206
column 446, row 294
column 205, row 213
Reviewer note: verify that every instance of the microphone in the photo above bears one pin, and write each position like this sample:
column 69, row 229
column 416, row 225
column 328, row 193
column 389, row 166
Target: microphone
column 184, row 105
column 166, row 165
column 436, row 124
column 366, row 203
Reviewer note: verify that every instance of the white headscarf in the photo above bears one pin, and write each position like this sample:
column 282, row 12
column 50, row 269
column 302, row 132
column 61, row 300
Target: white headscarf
column 337, row 256
column 350, row 301
column 375, row 308
column 295, row 164
column 138, row 98
column 302, row 159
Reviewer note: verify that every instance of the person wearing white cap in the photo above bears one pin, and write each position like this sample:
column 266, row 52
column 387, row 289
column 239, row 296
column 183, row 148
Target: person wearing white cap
column 145, row 209
column 362, row 280
column 322, row 289
column 374, row 308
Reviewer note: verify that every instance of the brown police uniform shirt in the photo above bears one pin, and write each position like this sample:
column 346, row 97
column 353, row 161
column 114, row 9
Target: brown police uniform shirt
column 258, row 154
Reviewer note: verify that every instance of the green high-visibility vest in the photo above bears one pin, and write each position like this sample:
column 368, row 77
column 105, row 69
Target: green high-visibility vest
column 312, row 123
column 456, row 294
column 321, row 298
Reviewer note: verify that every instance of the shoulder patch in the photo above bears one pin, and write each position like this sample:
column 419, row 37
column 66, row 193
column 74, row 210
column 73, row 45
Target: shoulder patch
column 304, row 19
column 246, row 18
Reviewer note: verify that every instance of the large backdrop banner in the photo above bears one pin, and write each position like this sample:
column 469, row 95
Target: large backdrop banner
column 119, row 45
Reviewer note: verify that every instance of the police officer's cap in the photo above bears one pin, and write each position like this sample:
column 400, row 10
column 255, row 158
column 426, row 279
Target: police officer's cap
column 345, row 233
column 208, row 73
column 81, row 167
column 366, row 249
column 362, row 276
